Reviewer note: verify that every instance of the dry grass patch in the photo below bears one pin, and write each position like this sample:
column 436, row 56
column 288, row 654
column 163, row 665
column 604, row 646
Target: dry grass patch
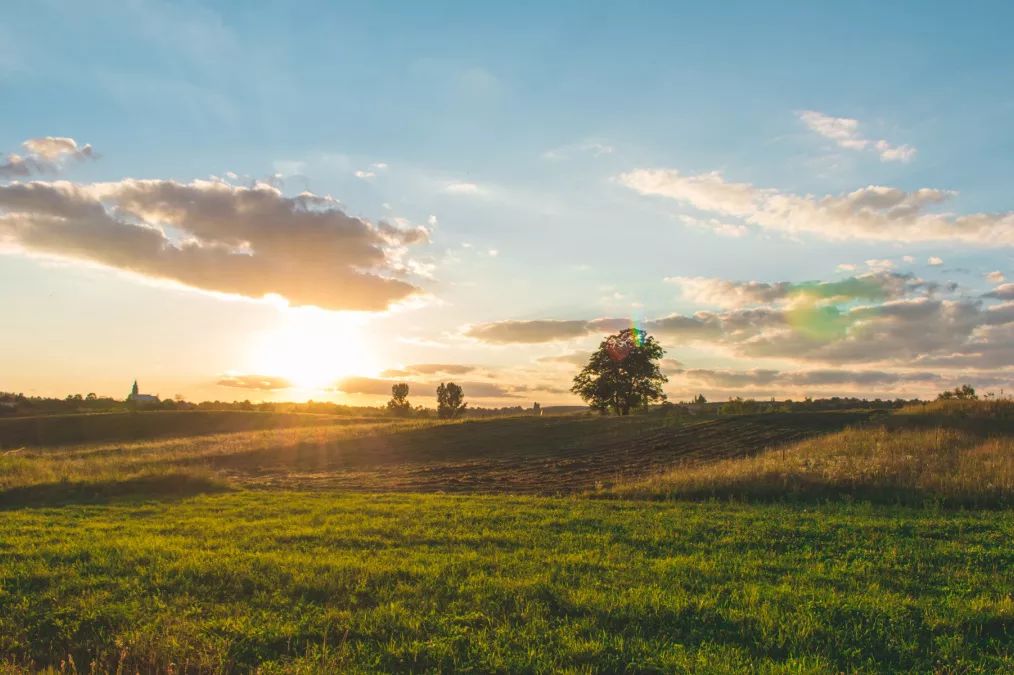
column 908, row 466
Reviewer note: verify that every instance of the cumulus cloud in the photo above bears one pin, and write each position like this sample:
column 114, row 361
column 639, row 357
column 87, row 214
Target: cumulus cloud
column 874, row 212
column 880, row 263
column 844, row 131
column 1002, row 292
column 249, row 241
column 871, row 286
column 996, row 277
column 260, row 382
column 935, row 261
column 898, row 332
column 48, row 154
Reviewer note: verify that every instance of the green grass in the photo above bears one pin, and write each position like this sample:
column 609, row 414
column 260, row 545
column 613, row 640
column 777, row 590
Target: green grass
column 316, row 582
column 194, row 554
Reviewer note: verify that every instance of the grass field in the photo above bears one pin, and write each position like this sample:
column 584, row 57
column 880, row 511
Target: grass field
column 913, row 466
column 542, row 455
column 298, row 581
column 802, row 542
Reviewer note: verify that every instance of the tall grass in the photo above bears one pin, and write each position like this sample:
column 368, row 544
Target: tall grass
column 949, row 466
column 984, row 408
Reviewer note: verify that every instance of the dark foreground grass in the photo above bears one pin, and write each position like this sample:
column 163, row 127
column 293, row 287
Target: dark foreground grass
column 316, row 582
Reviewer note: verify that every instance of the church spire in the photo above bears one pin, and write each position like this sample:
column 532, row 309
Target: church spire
column 133, row 390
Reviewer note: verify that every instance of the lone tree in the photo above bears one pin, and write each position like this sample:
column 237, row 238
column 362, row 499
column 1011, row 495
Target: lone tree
column 399, row 405
column 623, row 373
column 449, row 401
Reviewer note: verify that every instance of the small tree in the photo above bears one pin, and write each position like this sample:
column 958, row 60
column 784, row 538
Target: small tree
column 450, row 402
column 623, row 373
column 963, row 393
column 399, row 405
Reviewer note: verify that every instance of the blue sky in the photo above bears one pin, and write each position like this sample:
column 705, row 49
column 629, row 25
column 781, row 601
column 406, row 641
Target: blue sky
column 513, row 134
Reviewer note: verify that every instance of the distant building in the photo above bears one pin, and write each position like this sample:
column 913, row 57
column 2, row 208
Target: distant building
column 141, row 398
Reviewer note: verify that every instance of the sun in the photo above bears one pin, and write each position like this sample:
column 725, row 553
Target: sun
column 312, row 349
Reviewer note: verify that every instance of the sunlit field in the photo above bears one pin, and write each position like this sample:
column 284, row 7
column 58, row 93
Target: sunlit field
column 950, row 466
column 323, row 582
column 547, row 455
column 779, row 542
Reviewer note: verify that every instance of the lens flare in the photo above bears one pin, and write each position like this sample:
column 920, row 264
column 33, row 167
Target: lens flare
column 808, row 316
column 619, row 347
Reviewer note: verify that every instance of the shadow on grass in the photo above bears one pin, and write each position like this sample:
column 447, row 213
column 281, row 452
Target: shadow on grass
column 141, row 488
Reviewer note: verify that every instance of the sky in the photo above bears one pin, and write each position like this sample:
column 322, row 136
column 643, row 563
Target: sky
column 278, row 201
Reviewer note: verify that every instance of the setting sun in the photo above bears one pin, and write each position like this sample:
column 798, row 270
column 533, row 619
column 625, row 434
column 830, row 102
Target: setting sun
column 312, row 349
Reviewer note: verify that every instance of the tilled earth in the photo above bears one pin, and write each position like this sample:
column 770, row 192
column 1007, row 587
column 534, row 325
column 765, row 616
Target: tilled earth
column 552, row 455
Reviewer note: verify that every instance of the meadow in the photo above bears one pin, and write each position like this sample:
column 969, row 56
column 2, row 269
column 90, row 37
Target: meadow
column 663, row 542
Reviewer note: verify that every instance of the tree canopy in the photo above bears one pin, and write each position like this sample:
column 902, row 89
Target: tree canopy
column 399, row 405
column 450, row 401
column 963, row 393
column 623, row 373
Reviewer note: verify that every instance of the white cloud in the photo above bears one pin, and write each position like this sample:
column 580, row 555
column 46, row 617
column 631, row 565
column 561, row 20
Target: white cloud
column 48, row 154
column 880, row 263
column 593, row 148
column 845, row 267
column 873, row 212
column 935, row 261
column 462, row 189
column 720, row 228
column 845, row 132
column 996, row 277
column 364, row 174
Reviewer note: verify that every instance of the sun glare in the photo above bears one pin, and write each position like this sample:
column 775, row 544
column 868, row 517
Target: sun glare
column 313, row 349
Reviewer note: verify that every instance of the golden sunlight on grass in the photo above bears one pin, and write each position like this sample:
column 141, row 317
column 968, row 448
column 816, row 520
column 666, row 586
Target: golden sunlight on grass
column 877, row 464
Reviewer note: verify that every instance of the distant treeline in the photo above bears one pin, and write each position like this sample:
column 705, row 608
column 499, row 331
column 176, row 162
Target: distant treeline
column 16, row 404
column 19, row 405
column 739, row 406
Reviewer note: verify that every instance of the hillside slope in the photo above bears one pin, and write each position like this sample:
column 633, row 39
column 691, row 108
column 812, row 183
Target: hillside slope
column 540, row 455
